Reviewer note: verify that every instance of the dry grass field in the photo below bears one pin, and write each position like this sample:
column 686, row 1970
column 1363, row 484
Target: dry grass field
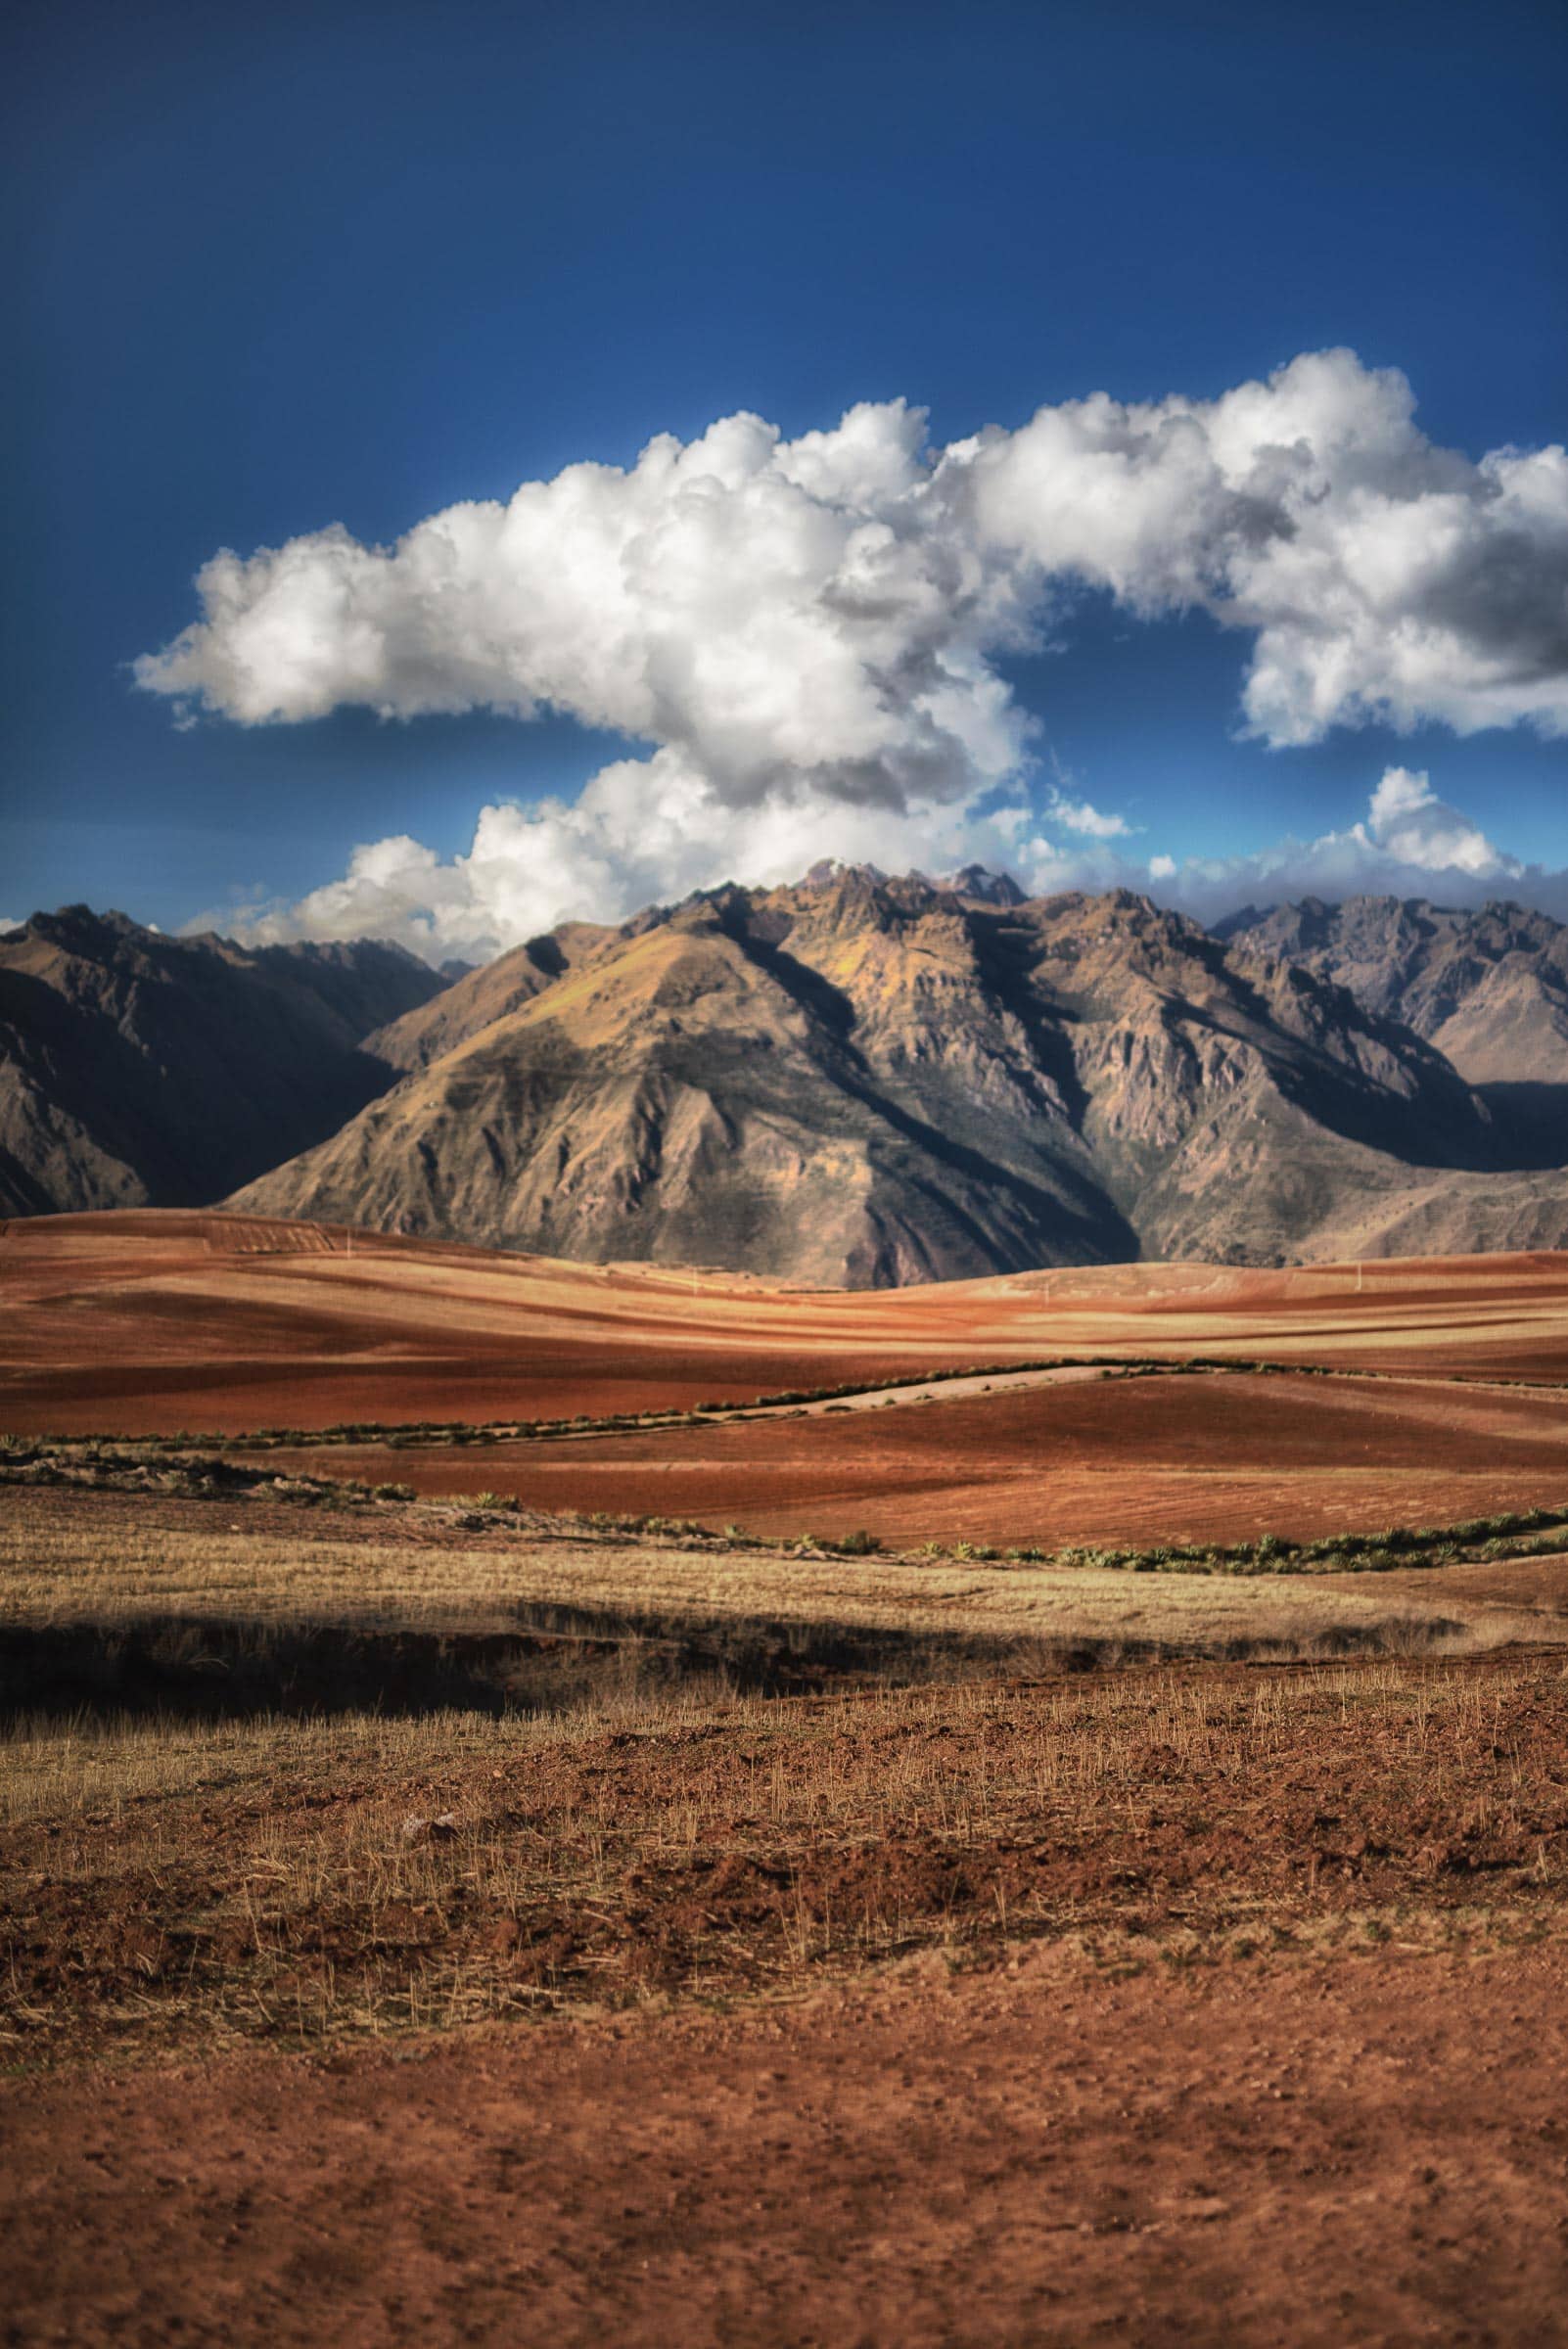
column 1043, row 1855
column 87, row 1560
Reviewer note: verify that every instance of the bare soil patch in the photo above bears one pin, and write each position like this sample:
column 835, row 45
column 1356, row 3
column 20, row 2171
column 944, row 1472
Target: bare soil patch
column 1302, row 2147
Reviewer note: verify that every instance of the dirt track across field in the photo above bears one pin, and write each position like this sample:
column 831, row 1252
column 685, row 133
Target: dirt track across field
column 1368, row 2152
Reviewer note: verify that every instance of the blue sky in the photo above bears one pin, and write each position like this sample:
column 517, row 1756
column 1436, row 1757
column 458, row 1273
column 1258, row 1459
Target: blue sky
column 279, row 269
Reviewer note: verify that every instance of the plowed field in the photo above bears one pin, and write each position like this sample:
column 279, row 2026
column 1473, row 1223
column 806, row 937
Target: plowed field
column 1207, row 1459
column 146, row 1321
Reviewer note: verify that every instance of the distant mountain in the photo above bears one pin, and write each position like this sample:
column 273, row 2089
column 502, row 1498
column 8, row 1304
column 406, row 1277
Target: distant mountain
column 873, row 1081
column 979, row 882
column 1488, row 987
column 855, row 1078
column 141, row 1070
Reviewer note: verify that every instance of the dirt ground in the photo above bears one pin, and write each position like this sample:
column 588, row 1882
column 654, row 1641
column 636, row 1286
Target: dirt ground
column 749, row 1993
column 1223, row 1458
column 1204, row 2004
column 135, row 1322
column 1371, row 2151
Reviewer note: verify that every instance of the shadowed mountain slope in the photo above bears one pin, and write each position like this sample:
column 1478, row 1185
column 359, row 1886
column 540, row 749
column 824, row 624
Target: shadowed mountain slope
column 139, row 1068
column 868, row 1081
column 1488, row 987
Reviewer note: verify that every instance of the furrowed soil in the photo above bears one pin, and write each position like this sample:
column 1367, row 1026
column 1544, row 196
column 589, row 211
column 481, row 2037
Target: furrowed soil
column 1161, row 1458
column 272, row 1880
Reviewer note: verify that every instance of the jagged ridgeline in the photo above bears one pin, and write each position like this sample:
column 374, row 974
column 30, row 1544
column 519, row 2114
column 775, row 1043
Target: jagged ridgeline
column 868, row 1081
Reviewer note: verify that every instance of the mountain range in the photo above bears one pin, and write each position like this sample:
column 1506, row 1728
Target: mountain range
column 854, row 1079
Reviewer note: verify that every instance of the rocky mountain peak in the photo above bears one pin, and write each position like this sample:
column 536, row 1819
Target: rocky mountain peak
column 829, row 870
column 985, row 888
column 863, row 1078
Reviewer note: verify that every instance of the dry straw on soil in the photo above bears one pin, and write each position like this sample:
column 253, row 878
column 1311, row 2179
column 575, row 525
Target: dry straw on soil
column 171, row 1887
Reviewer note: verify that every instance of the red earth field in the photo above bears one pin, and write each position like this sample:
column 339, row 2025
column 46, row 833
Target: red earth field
column 1364, row 2152
column 1217, row 2005
column 1126, row 1461
column 144, row 1321
column 1209, row 2004
column 156, row 1322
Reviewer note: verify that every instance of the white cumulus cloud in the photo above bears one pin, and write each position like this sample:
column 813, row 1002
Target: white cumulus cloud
column 829, row 607
column 641, row 832
column 1410, row 844
column 647, row 832
column 1410, row 823
column 1087, row 820
column 806, row 633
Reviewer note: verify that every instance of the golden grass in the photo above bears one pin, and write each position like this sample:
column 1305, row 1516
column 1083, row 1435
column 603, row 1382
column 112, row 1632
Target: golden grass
column 112, row 1571
column 82, row 1766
